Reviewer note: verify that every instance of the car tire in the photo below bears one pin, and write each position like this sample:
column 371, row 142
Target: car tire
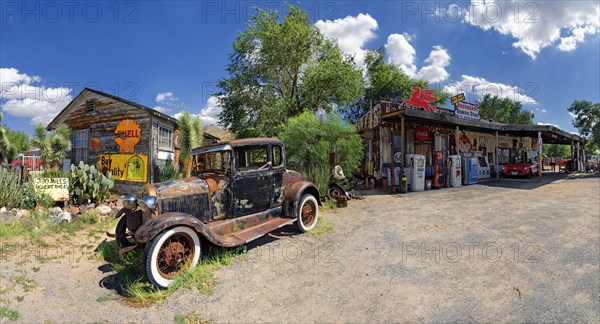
column 169, row 254
column 122, row 230
column 529, row 174
column 307, row 214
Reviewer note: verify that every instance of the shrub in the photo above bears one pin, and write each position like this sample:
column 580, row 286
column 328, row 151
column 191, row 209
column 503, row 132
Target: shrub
column 54, row 173
column 320, row 175
column 89, row 184
column 17, row 195
column 29, row 197
column 167, row 172
column 309, row 141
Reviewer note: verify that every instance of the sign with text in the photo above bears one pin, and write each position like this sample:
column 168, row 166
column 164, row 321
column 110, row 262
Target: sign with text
column 127, row 135
column 466, row 110
column 125, row 167
column 458, row 98
column 57, row 188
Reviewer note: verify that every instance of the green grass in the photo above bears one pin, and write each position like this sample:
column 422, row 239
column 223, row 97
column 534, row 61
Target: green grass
column 323, row 226
column 26, row 283
column 139, row 291
column 12, row 315
column 189, row 318
column 20, row 298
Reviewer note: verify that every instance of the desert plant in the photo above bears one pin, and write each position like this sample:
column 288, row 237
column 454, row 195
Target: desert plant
column 10, row 184
column 54, row 173
column 53, row 146
column 167, row 172
column 28, row 197
column 88, row 184
column 320, row 175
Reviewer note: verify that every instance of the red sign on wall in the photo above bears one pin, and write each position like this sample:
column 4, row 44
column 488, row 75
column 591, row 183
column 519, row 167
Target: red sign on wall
column 422, row 134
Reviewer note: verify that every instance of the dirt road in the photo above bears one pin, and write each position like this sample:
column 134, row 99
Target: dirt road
column 499, row 251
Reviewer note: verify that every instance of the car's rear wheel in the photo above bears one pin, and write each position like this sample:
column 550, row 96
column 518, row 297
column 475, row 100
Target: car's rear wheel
column 171, row 253
column 308, row 213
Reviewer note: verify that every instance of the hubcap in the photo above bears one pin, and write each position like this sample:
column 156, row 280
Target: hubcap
column 175, row 255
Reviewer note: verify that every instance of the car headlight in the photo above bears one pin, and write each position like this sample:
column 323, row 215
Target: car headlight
column 130, row 202
column 148, row 205
column 525, row 168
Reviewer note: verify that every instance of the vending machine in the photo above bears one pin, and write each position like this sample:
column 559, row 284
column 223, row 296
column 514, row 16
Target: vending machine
column 455, row 171
column 439, row 180
column 470, row 170
column 418, row 170
column 484, row 168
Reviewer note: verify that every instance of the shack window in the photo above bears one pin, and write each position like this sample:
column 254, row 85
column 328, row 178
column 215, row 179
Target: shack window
column 90, row 105
column 165, row 138
column 80, row 146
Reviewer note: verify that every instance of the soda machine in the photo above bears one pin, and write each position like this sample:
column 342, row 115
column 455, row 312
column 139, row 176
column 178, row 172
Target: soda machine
column 455, row 171
column 418, row 172
column 470, row 170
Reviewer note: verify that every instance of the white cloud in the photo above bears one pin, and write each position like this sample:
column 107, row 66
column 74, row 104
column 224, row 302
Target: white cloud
column 438, row 60
column 401, row 53
column 542, row 110
column 20, row 98
column 539, row 24
column 572, row 115
column 479, row 87
column 162, row 109
column 209, row 115
column 161, row 96
column 351, row 33
column 547, row 124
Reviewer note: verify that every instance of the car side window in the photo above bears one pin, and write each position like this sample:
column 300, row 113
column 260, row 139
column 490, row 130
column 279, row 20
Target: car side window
column 277, row 156
column 251, row 158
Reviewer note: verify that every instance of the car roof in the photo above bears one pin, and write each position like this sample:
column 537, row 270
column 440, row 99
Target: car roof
column 236, row 143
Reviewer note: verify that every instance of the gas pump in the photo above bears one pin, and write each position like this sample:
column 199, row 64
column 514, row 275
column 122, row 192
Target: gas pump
column 455, row 171
column 438, row 173
column 418, row 170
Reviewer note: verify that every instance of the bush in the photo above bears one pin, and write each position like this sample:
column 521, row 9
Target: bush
column 319, row 175
column 17, row 195
column 54, row 173
column 309, row 141
column 89, row 184
column 167, row 172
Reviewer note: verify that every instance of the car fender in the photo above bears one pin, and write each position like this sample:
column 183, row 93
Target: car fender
column 293, row 195
column 157, row 225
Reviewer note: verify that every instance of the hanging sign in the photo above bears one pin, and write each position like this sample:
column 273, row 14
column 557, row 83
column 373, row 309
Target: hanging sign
column 127, row 135
column 466, row 110
column 458, row 98
column 422, row 134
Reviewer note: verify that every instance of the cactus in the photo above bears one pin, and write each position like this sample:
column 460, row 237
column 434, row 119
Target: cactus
column 89, row 185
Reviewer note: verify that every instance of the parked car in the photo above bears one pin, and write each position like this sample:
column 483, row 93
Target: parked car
column 520, row 169
column 239, row 191
column 29, row 161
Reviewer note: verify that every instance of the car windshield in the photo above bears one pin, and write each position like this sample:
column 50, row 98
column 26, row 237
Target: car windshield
column 218, row 161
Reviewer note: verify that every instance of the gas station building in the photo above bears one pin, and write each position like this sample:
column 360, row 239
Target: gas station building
column 423, row 142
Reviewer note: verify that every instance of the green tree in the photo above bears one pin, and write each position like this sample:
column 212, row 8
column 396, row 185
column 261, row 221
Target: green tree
column 587, row 120
column 309, row 141
column 279, row 68
column 53, row 146
column 385, row 82
column 4, row 143
column 504, row 110
column 556, row 150
column 19, row 142
column 190, row 134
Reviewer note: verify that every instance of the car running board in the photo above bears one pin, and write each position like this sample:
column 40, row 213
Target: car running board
column 259, row 230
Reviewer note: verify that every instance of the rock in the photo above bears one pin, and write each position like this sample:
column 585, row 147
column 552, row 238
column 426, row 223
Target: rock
column 22, row 213
column 116, row 210
column 103, row 210
column 6, row 217
column 55, row 211
column 52, row 220
column 83, row 209
column 14, row 211
column 91, row 206
column 2, row 210
column 40, row 210
column 64, row 216
column 111, row 204
column 75, row 218
column 27, row 221
column 74, row 210
column 119, row 203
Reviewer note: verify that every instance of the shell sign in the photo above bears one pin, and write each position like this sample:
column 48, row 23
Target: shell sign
column 127, row 135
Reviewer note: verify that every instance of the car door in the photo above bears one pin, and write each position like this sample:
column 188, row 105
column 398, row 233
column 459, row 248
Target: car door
column 252, row 183
column 278, row 169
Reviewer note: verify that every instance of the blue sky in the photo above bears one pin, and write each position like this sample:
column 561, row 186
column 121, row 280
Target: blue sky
column 169, row 55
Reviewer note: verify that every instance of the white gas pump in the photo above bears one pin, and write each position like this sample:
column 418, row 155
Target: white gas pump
column 418, row 170
column 455, row 171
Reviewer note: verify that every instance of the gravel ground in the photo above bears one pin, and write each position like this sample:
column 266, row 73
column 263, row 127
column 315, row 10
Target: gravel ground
column 500, row 251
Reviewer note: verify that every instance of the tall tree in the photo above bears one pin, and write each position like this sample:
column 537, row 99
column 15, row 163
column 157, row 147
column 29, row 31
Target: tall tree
column 385, row 82
column 504, row 110
column 4, row 143
column 587, row 119
column 53, row 146
column 19, row 142
column 556, row 150
column 279, row 68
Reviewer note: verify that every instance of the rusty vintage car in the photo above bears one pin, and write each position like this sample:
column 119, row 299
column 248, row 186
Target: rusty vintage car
column 239, row 191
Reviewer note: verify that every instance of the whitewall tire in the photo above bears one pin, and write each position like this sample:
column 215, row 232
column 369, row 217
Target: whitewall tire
column 307, row 213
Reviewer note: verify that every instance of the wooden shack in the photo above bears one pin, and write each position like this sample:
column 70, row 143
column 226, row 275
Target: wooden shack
column 126, row 138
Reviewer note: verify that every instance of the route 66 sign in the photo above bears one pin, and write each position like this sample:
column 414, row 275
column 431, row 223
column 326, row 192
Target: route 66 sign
column 397, row 157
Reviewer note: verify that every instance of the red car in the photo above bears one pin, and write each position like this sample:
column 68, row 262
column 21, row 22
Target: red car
column 520, row 169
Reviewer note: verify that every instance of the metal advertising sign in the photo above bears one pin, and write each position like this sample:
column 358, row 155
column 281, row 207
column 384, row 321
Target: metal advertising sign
column 127, row 135
column 466, row 110
column 125, row 167
column 57, row 188
column 422, row 134
column 458, row 98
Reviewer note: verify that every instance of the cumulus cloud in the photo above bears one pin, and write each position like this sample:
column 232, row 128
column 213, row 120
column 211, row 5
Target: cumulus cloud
column 438, row 60
column 401, row 53
column 209, row 115
column 547, row 124
column 537, row 25
column 20, row 96
column 161, row 96
column 479, row 87
column 351, row 34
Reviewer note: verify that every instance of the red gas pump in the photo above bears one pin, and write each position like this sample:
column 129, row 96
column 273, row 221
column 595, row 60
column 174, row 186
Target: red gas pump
column 438, row 173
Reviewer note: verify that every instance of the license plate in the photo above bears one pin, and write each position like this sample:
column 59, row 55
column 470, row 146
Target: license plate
column 514, row 172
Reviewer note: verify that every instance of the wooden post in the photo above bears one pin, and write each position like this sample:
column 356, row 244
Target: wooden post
column 392, row 173
column 540, row 162
column 456, row 141
column 402, row 140
column 578, row 157
column 497, row 164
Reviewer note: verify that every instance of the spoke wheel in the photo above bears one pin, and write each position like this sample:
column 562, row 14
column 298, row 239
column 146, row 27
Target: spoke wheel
column 170, row 254
column 334, row 193
column 308, row 213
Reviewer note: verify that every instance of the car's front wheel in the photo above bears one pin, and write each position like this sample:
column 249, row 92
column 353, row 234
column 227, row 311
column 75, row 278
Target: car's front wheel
column 121, row 232
column 169, row 254
column 308, row 213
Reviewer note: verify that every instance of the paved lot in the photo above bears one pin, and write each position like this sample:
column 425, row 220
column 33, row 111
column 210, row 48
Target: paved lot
column 495, row 252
